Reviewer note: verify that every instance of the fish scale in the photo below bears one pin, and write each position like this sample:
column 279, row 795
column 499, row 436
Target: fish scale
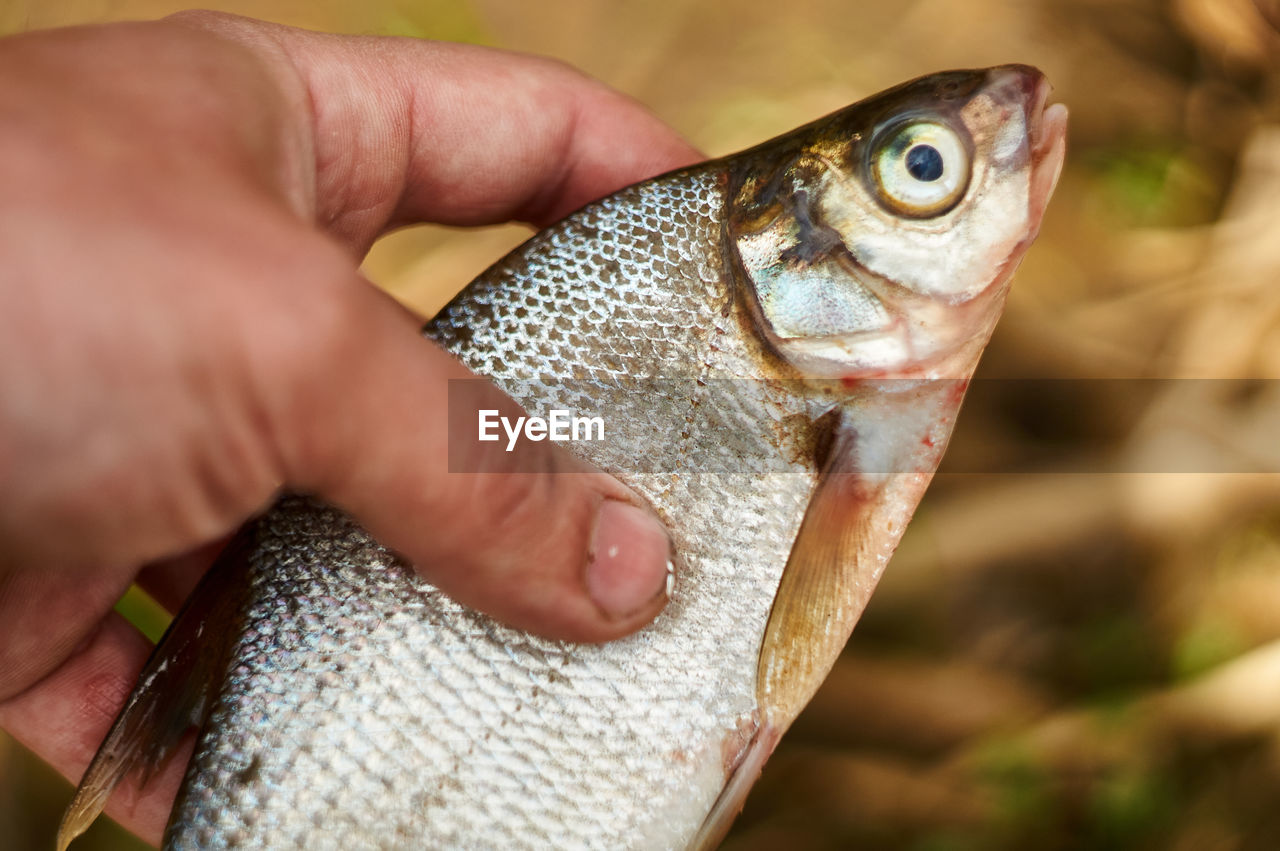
column 529, row 743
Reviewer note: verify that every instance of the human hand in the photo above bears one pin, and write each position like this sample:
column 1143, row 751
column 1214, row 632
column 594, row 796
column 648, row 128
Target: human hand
column 184, row 332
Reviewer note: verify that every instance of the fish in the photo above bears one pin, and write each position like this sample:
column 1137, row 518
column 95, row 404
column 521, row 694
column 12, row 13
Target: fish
column 779, row 342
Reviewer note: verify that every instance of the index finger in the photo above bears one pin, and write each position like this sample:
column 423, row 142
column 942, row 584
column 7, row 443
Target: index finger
column 406, row 130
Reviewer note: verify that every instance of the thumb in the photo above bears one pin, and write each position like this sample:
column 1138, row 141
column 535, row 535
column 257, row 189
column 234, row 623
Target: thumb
column 403, row 130
column 536, row 538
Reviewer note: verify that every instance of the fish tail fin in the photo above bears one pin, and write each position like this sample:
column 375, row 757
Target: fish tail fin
column 174, row 690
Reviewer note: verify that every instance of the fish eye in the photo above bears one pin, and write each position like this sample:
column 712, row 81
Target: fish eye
column 920, row 169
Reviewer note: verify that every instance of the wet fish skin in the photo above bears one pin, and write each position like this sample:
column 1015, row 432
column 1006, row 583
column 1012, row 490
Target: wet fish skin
column 360, row 707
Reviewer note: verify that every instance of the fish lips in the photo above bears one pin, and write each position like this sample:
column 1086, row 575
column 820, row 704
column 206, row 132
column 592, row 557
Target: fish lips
column 1048, row 149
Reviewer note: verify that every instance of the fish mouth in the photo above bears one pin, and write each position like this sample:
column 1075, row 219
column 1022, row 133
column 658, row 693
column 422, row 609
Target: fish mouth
column 1047, row 143
column 1046, row 130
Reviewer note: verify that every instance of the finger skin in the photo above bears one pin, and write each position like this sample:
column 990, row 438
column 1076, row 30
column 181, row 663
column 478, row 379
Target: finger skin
column 66, row 716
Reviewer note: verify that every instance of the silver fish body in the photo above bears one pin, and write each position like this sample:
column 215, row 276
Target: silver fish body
column 357, row 706
column 378, row 700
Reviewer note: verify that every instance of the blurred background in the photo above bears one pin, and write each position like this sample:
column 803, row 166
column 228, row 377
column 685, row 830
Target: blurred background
column 1078, row 645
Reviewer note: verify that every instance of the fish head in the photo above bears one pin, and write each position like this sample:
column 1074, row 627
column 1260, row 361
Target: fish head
column 879, row 241
column 871, row 246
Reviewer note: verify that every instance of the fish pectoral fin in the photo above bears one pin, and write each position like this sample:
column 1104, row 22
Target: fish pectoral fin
column 822, row 591
column 879, row 464
column 174, row 690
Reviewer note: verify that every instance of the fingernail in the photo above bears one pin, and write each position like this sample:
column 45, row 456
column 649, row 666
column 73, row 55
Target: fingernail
column 629, row 563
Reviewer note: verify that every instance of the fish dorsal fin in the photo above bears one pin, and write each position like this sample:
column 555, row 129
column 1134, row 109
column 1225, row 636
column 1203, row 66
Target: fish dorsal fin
column 175, row 689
